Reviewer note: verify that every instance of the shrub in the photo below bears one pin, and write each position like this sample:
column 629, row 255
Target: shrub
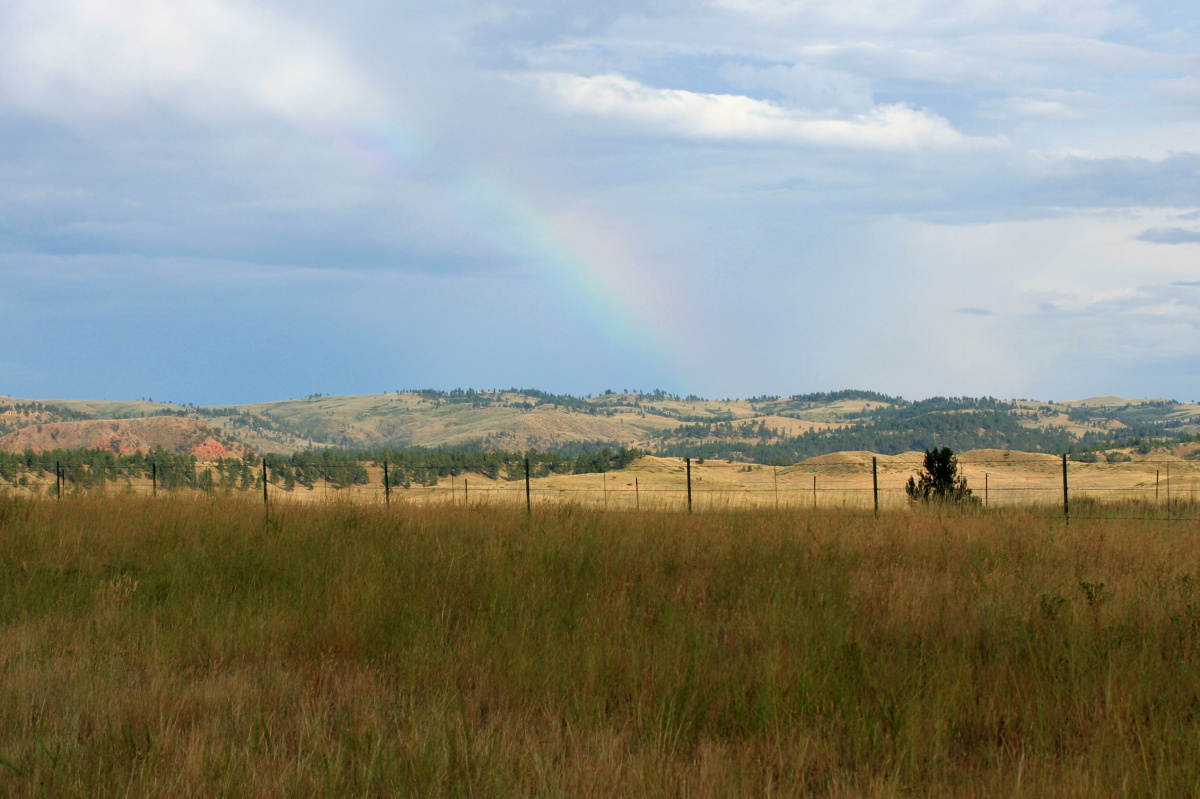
column 939, row 480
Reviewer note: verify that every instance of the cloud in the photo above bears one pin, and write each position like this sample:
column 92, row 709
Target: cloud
column 212, row 59
column 1141, row 313
column 1080, row 16
column 1169, row 235
column 804, row 84
column 969, row 186
column 728, row 117
column 1134, row 337
column 1023, row 65
column 975, row 311
column 1027, row 108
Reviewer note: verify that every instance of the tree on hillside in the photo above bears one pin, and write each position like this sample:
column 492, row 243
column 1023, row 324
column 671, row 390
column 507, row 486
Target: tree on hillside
column 939, row 479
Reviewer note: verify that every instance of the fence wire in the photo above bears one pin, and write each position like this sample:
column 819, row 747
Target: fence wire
column 1160, row 490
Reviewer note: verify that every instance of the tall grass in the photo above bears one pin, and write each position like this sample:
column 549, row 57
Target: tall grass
column 193, row 648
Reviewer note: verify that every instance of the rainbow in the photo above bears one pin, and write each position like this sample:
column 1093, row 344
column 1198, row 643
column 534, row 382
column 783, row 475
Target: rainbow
column 594, row 273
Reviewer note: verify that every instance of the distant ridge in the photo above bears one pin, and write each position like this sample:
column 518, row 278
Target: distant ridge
column 178, row 436
column 763, row 429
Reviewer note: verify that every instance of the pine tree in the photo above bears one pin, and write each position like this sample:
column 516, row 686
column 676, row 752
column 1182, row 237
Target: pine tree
column 940, row 480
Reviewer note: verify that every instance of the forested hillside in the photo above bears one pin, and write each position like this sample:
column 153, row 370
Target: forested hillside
column 760, row 429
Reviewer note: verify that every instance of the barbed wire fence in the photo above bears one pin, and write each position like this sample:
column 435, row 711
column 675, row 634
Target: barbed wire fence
column 1161, row 490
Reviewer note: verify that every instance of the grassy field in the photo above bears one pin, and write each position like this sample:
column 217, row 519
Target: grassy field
column 837, row 480
column 191, row 647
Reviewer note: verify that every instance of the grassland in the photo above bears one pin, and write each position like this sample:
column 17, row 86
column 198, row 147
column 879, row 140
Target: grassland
column 837, row 480
column 186, row 647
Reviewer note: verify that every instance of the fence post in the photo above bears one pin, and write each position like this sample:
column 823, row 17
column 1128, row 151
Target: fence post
column 528, row 500
column 775, row 478
column 154, row 478
column 875, row 483
column 1168, row 488
column 264, row 464
column 604, row 485
column 1156, row 471
column 1066, row 497
column 688, row 462
column 466, row 496
column 58, row 480
column 814, row 489
column 637, row 495
column 387, row 485
column 985, row 489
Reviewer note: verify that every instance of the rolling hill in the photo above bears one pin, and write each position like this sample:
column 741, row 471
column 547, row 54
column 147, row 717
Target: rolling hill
column 177, row 436
column 760, row 429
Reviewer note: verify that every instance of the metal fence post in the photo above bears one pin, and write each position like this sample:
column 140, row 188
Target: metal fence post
column 1066, row 497
column 875, row 482
column 688, row 462
column 264, row 465
column 387, row 485
column 154, row 479
column 528, row 499
column 604, row 485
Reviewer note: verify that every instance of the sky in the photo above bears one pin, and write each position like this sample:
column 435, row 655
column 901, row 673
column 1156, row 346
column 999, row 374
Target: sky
column 226, row 201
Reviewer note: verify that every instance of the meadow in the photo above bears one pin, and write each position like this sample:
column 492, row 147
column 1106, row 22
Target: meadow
column 192, row 646
column 649, row 483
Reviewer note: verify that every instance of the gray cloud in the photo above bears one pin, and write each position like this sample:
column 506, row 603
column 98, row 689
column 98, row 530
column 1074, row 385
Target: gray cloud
column 1169, row 235
column 970, row 311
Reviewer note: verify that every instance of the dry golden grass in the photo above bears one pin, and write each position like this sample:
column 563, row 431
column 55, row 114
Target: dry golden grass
column 191, row 647
column 838, row 480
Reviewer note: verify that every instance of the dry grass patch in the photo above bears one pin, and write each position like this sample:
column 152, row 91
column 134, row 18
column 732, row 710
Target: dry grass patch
column 204, row 648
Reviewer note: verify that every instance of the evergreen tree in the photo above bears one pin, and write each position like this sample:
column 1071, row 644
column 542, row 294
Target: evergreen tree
column 939, row 480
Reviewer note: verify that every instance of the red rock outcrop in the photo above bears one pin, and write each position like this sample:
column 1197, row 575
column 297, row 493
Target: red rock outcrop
column 179, row 436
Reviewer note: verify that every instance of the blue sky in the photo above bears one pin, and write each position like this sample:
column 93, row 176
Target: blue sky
column 229, row 201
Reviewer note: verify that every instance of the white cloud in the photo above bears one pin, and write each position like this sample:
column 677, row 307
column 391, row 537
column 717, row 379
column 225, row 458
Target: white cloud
column 208, row 58
column 1021, row 108
column 731, row 117
column 1018, row 64
column 1088, row 17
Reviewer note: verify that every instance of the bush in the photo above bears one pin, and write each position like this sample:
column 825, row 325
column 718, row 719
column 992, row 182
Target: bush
column 939, row 480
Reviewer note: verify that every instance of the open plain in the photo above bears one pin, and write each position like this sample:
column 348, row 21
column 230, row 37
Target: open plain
column 838, row 480
column 211, row 647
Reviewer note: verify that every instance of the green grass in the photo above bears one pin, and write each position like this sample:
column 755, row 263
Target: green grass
column 192, row 648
